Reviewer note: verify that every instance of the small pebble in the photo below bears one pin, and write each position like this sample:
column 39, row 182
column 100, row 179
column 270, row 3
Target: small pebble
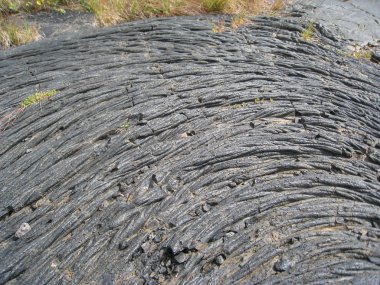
column 283, row 265
column 22, row 230
column 142, row 122
column 346, row 153
column 123, row 245
column 123, row 187
column 145, row 246
column 157, row 239
column 229, row 234
column 205, row 207
column 181, row 257
column 152, row 275
column 232, row 184
column 130, row 181
column 219, row 260
column 116, row 195
column 293, row 240
column 176, row 269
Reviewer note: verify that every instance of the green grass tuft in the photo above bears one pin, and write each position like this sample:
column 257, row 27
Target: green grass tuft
column 239, row 106
column 263, row 100
column 37, row 97
column 308, row 33
column 14, row 33
column 125, row 125
column 362, row 54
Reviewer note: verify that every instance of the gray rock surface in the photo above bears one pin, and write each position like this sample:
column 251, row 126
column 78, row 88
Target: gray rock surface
column 355, row 20
column 295, row 126
column 52, row 24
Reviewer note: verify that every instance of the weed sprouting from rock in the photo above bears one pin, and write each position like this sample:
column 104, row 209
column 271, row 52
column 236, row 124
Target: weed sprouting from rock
column 37, row 97
column 308, row 33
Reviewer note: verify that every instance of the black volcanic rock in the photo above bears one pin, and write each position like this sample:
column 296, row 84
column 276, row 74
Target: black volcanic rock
column 294, row 125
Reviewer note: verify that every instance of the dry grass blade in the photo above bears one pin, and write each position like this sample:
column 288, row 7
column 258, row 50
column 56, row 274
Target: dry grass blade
column 214, row 5
column 111, row 12
column 14, row 32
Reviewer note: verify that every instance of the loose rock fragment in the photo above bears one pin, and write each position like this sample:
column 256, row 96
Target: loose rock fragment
column 219, row 259
column 206, row 207
column 123, row 245
column 145, row 246
column 283, row 264
column 181, row 257
column 22, row 230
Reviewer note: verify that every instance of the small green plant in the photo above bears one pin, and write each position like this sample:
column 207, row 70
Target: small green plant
column 14, row 33
column 362, row 54
column 239, row 106
column 8, row 6
column 308, row 33
column 37, row 97
column 125, row 125
column 263, row 100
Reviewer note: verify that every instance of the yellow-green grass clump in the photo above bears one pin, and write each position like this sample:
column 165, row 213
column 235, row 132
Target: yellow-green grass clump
column 125, row 125
column 362, row 54
column 17, row 32
column 16, row 6
column 308, row 33
column 37, row 97
column 214, row 5
column 239, row 106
